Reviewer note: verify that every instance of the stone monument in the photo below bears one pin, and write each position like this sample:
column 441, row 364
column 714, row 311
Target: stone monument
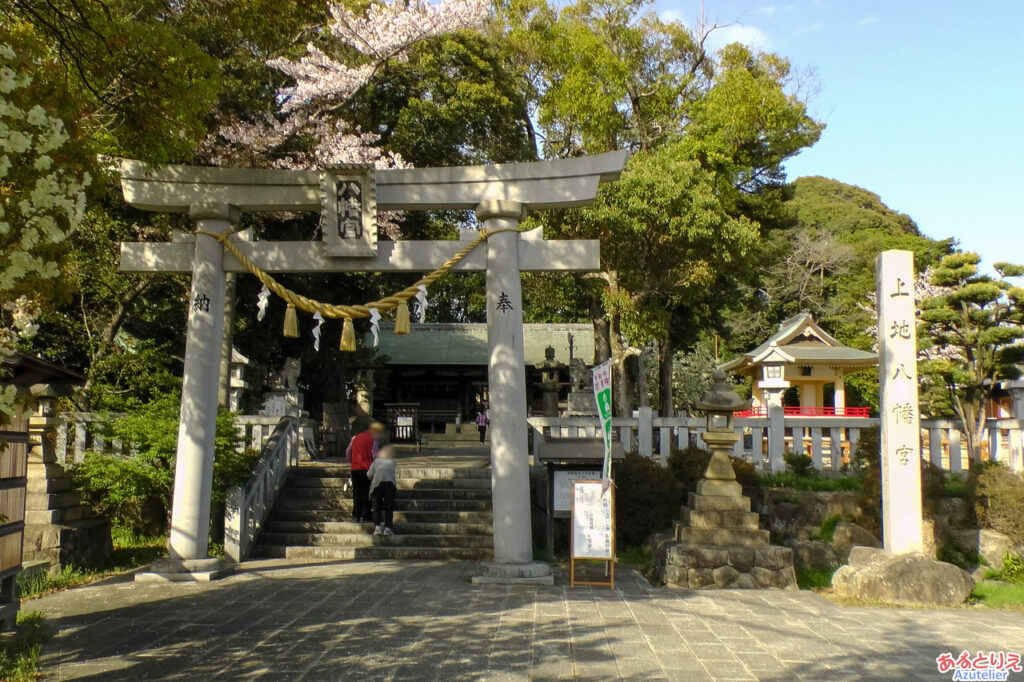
column 581, row 390
column 898, row 403
column 718, row 542
column 284, row 399
column 550, row 373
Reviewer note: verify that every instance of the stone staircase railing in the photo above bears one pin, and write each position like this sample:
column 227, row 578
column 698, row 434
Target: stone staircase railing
column 247, row 507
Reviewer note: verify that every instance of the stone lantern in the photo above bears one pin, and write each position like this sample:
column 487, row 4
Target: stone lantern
column 718, row 542
column 719, row 403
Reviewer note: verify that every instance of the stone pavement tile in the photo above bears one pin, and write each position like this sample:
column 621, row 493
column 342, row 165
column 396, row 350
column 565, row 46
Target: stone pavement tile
column 589, row 671
column 710, row 651
column 638, row 668
column 671, row 661
column 720, row 670
column 688, row 675
column 765, row 662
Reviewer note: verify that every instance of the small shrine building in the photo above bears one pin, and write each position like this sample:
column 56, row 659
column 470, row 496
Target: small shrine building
column 802, row 355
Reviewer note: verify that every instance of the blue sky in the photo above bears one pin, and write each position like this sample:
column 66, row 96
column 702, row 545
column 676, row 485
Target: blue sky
column 923, row 103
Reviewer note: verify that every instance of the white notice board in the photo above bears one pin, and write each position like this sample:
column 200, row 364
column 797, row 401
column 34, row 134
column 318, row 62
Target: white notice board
column 563, row 479
column 593, row 521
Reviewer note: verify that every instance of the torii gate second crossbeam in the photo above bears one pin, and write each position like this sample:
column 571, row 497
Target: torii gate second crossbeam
column 501, row 195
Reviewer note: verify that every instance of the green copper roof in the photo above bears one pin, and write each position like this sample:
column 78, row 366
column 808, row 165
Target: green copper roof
column 466, row 344
column 802, row 339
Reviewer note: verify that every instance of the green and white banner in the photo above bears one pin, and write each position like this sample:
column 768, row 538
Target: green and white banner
column 603, row 395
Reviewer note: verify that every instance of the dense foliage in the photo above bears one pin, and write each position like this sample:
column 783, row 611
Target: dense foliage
column 975, row 325
column 646, row 500
column 998, row 497
column 135, row 491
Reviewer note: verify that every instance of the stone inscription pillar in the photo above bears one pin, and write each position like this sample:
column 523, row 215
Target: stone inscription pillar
column 193, row 475
column 898, row 403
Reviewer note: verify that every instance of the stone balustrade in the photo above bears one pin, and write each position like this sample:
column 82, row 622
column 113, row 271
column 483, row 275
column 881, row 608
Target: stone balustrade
column 829, row 441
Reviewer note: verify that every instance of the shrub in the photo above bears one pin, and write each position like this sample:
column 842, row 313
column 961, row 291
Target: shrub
column 828, row 527
column 1013, row 568
column 687, row 467
column 19, row 651
column 813, row 484
column 646, row 500
column 998, row 499
column 868, row 463
column 800, row 464
column 813, row 578
column 956, row 485
column 134, row 491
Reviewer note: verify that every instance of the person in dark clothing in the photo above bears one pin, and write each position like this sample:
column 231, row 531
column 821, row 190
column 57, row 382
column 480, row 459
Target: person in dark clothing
column 361, row 452
column 382, row 490
column 481, row 424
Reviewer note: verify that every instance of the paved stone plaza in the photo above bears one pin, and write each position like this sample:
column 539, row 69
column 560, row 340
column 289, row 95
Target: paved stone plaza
column 277, row 620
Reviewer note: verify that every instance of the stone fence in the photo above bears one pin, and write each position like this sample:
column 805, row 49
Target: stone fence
column 82, row 432
column 829, row 441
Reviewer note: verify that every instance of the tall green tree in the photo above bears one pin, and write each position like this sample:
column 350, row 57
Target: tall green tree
column 611, row 75
column 825, row 264
column 975, row 326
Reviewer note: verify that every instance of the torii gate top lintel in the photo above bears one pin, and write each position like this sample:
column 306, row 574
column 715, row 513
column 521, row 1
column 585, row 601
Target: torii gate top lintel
column 562, row 183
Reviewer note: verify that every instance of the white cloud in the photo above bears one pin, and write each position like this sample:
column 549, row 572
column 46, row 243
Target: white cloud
column 738, row 33
column 809, row 28
column 670, row 15
column 868, row 20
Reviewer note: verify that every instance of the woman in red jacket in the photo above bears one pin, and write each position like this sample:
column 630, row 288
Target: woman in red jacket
column 361, row 452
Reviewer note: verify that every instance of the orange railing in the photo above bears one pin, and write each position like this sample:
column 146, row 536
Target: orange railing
column 762, row 411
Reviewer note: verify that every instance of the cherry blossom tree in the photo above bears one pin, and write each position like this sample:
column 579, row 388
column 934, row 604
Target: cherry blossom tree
column 324, row 83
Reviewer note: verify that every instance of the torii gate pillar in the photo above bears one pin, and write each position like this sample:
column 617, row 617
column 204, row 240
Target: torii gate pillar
column 506, row 380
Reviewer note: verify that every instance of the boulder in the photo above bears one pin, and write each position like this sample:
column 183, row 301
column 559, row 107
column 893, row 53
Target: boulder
column 725, row 576
column 954, row 512
column 990, row 544
column 903, row 579
column 848, row 535
column 812, row 555
column 861, row 556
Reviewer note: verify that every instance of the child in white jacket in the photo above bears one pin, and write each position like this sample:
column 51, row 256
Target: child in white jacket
column 382, row 491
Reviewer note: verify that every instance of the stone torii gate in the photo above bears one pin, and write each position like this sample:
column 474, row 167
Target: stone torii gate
column 501, row 195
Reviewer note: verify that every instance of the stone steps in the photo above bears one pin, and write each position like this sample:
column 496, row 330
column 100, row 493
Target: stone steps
column 718, row 502
column 401, row 504
column 403, row 483
column 367, row 539
column 321, row 470
column 412, row 516
column 440, row 513
column 422, row 493
column 722, row 537
column 57, row 516
column 408, row 528
column 720, row 519
column 376, row 553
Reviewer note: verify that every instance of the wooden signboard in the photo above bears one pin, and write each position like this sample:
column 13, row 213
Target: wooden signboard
column 593, row 529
